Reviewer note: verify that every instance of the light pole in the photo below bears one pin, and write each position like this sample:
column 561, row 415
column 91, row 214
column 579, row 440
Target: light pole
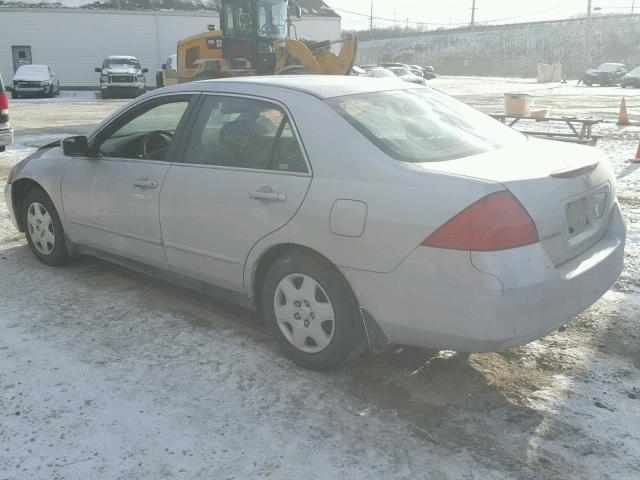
column 587, row 42
column 473, row 13
column 371, row 17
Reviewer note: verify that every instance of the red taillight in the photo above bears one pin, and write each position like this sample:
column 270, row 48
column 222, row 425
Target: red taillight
column 4, row 101
column 495, row 222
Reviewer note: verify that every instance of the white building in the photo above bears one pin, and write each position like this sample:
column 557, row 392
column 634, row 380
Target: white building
column 73, row 41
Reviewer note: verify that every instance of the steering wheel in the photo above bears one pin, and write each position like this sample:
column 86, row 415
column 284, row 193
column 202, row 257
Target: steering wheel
column 156, row 141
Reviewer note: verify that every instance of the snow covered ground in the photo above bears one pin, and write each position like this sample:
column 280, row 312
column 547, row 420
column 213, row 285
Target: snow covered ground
column 106, row 374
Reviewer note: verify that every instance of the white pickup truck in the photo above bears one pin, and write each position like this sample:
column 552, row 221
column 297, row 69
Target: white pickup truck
column 120, row 76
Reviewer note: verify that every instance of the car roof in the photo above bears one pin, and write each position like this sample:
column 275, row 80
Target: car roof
column 320, row 86
column 119, row 57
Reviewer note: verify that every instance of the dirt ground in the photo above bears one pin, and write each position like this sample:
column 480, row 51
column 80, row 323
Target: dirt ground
column 106, row 374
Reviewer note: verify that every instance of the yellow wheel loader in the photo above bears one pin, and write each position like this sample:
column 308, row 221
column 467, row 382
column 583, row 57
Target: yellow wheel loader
column 254, row 40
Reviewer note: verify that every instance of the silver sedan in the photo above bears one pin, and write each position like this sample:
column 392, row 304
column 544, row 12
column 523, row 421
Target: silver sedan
column 352, row 212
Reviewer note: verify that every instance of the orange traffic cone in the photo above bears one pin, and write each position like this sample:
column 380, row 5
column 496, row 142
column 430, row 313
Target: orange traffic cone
column 637, row 159
column 623, row 117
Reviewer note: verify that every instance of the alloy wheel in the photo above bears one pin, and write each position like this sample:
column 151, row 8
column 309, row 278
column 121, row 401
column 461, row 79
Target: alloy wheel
column 41, row 228
column 304, row 313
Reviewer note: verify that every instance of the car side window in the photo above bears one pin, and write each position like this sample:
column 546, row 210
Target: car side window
column 244, row 133
column 148, row 135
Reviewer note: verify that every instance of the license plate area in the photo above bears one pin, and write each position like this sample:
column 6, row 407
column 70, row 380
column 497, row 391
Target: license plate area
column 578, row 215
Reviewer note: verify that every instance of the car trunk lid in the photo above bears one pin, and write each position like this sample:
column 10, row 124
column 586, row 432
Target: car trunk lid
column 568, row 190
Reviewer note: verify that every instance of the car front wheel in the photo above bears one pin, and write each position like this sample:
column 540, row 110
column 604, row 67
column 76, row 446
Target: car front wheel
column 311, row 311
column 43, row 228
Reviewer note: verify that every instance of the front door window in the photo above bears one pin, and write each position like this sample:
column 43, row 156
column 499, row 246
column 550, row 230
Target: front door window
column 148, row 135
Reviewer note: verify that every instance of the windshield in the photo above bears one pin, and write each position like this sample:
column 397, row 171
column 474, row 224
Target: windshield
column 238, row 19
column 609, row 67
column 399, row 71
column 120, row 61
column 381, row 72
column 272, row 18
column 423, row 125
column 635, row 71
column 33, row 70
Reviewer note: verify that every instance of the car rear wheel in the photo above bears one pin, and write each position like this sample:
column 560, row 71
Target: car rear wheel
column 43, row 228
column 311, row 311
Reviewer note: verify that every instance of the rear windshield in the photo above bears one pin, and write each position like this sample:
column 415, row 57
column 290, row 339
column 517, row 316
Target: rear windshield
column 1, row 84
column 423, row 125
column 609, row 67
column 400, row 71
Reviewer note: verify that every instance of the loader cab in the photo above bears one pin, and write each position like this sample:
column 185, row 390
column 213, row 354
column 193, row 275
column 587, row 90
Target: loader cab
column 250, row 28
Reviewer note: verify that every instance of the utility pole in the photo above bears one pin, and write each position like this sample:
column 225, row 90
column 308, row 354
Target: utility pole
column 633, row 7
column 473, row 13
column 371, row 17
column 587, row 42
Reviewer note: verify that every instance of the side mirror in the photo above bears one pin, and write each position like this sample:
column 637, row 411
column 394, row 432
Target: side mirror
column 98, row 70
column 75, row 146
column 145, row 70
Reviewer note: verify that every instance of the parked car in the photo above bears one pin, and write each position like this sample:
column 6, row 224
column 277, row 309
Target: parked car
column 35, row 81
column 380, row 72
column 631, row 79
column 229, row 187
column 389, row 65
column 6, row 132
column 606, row 74
column 357, row 71
column 429, row 72
column 406, row 75
column 417, row 71
column 122, row 76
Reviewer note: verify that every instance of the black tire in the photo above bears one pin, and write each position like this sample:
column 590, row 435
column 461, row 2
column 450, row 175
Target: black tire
column 14, row 95
column 59, row 255
column 51, row 92
column 104, row 95
column 348, row 333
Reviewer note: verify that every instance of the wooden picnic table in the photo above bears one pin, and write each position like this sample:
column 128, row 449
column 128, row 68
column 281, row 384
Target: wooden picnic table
column 580, row 129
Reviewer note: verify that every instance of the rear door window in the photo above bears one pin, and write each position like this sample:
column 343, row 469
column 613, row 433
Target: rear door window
column 244, row 133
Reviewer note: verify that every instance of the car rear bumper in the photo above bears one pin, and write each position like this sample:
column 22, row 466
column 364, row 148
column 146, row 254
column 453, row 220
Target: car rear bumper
column 6, row 136
column 487, row 301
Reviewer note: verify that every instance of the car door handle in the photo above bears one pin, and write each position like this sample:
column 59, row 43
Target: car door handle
column 269, row 196
column 145, row 183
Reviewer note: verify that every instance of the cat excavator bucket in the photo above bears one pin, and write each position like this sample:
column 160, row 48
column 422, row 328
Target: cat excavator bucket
column 315, row 58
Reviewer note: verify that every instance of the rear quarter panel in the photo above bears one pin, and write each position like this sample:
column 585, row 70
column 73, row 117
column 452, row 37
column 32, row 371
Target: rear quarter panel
column 405, row 203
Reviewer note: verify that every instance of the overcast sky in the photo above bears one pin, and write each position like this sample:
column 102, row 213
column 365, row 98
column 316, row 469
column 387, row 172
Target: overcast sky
column 445, row 12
